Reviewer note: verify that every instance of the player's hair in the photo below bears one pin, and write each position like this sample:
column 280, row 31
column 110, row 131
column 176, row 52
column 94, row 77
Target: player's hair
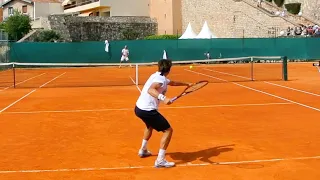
column 164, row 66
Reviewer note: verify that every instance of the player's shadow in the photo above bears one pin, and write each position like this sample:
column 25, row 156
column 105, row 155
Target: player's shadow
column 202, row 155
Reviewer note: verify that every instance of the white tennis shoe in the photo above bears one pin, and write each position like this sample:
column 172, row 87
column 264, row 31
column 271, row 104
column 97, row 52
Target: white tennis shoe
column 144, row 153
column 163, row 163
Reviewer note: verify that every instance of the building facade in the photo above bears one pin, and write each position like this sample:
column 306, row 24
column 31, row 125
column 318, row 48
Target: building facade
column 34, row 8
column 107, row 8
column 168, row 15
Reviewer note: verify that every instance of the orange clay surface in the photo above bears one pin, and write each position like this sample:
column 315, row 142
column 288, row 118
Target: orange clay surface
column 263, row 129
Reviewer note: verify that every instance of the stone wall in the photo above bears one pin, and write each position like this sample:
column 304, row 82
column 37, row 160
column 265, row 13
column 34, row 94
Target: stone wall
column 74, row 28
column 58, row 23
column 230, row 19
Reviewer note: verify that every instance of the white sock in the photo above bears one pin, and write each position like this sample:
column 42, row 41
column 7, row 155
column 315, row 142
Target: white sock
column 144, row 144
column 161, row 154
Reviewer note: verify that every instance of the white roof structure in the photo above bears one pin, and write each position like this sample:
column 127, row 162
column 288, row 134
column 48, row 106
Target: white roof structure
column 205, row 32
column 189, row 33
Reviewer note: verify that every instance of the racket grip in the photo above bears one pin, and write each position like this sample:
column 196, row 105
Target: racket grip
column 173, row 99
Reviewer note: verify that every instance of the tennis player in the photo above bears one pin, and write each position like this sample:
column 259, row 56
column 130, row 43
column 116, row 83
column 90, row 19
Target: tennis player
column 147, row 110
column 125, row 55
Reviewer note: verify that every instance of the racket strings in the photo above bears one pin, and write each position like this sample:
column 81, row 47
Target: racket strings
column 196, row 86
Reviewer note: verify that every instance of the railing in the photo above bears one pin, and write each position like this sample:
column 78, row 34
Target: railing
column 77, row 4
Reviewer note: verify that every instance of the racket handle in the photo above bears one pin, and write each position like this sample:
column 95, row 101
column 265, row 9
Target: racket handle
column 173, row 99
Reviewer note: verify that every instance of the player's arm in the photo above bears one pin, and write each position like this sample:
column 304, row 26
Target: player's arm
column 153, row 91
column 177, row 83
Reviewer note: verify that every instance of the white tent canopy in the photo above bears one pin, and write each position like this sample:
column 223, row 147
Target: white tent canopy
column 205, row 32
column 189, row 33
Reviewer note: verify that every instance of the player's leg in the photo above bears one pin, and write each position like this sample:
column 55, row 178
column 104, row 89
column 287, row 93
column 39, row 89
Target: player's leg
column 122, row 59
column 143, row 151
column 161, row 124
column 127, row 60
column 166, row 138
column 147, row 134
column 145, row 117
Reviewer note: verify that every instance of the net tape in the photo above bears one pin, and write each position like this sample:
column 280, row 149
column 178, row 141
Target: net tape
column 151, row 63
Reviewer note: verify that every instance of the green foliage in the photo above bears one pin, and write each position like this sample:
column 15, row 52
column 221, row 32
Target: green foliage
column 47, row 36
column 2, row 25
column 17, row 25
column 293, row 8
column 279, row 3
column 153, row 37
column 130, row 34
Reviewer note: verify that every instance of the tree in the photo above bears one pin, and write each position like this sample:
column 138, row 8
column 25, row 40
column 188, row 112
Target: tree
column 17, row 25
column 47, row 36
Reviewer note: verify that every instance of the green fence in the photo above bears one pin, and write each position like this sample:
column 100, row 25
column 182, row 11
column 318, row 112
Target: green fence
column 152, row 50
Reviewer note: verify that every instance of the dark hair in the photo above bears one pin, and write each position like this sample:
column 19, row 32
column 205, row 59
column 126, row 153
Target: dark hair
column 164, row 66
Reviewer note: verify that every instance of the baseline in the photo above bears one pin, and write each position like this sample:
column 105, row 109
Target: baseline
column 130, row 109
column 145, row 167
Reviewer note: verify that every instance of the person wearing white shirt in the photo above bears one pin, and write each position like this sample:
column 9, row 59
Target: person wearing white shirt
column 125, row 55
column 146, row 109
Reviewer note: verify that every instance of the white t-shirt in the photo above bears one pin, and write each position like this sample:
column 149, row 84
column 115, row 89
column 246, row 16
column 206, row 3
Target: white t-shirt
column 146, row 101
column 125, row 52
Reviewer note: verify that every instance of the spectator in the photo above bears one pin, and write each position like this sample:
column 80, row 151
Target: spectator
column 302, row 30
column 288, row 31
column 297, row 31
column 259, row 3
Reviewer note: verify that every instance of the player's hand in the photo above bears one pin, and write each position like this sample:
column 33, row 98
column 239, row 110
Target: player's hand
column 167, row 101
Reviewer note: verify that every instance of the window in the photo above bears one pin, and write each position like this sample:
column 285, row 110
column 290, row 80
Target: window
column 24, row 9
column 10, row 11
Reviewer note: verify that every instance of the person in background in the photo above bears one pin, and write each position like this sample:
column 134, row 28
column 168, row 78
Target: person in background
column 125, row 55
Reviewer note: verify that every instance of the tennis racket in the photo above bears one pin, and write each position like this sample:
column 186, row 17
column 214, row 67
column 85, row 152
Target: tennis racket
column 191, row 89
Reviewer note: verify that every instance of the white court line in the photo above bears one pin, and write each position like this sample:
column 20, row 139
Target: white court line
column 135, row 83
column 145, row 167
column 23, row 81
column 227, row 74
column 52, row 80
column 306, row 92
column 29, row 94
column 288, row 100
column 17, row 101
column 130, row 109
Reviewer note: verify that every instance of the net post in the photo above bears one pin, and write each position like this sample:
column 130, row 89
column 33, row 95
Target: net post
column 137, row 74
column 251, row 59
column 14, row 75
column 284, row 68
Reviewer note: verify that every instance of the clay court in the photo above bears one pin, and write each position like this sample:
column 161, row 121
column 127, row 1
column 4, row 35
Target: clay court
column 78, row 123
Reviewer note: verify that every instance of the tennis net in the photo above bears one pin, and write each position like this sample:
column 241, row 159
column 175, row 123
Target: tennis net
column 33, row 75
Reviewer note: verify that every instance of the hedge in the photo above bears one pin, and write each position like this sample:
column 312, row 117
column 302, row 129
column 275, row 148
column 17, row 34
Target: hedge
column 152, row 37
column 293, row 8
column 279, row 3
